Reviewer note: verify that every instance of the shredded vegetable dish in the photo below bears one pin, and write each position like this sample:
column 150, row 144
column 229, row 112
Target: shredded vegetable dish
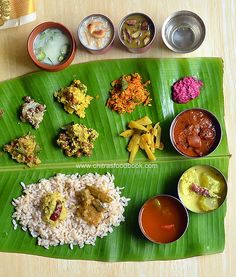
column 127, row 92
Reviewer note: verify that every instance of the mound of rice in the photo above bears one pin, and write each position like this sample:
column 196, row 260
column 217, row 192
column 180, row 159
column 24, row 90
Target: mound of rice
column 74, row 230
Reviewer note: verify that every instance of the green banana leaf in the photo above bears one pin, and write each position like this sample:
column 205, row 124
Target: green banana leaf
column 205, row 234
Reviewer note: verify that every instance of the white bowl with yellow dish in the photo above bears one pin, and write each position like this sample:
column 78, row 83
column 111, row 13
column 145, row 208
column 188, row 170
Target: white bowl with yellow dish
column 202, row 188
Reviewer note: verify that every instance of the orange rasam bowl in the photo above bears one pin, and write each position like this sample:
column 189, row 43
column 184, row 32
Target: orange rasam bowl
column 163, row 219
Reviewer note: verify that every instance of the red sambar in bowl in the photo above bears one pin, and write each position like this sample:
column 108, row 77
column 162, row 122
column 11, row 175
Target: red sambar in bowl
column 163, row 219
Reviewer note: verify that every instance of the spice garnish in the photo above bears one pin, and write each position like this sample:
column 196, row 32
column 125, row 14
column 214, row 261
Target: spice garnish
column 56, row 214
column 202, row 191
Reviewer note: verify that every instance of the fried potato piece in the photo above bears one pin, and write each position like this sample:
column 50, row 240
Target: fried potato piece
column 144, row 121
column 147, row 138
column 149, row 152
column 127, row 133
column 134, row 141
column 142, row 143
column 136, row 125
column 157, row 134
column 135, row 147
column 149, row 127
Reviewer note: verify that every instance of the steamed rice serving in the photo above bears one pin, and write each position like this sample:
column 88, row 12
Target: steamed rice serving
column 73, row 230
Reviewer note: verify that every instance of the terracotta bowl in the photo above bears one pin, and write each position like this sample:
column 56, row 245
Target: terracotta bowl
column 42, row 27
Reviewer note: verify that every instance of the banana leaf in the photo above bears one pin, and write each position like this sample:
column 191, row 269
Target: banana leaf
column 205, row 234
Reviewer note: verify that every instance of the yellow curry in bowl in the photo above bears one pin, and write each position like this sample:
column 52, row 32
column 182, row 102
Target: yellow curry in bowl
column 202, row 189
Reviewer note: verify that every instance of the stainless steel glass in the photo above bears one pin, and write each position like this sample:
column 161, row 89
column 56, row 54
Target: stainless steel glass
column 183, row 31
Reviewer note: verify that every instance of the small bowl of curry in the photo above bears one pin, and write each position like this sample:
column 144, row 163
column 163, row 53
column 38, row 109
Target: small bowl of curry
column 195, row 133
column 163, row 219
column 202, row 189
column 137, row 32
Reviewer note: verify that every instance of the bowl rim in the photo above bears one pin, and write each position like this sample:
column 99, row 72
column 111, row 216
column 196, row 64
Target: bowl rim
column 212, row 168
column 173, row 125
column 42, row 27
column 111, row 40
column 150, row 199
column 175, row 14
column 122, row 22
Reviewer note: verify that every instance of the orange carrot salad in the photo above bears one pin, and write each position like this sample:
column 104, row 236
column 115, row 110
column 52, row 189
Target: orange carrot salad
column 127, row 92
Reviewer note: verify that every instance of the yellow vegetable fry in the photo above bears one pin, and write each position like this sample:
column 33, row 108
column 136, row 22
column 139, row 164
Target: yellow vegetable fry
column 133, row 153
column 152, row 145
column 143, row 135
column 157, row 131
column 127, row 133
column 136, row 125
column 135, row 139
column 144, row 121
column 158, row 142
column 142, row 143
column 157, row 126
column 148, row 138
column 149, row 152
column 154, row 132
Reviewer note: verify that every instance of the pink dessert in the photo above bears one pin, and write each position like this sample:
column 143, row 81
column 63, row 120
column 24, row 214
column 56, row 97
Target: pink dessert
column 186, row 89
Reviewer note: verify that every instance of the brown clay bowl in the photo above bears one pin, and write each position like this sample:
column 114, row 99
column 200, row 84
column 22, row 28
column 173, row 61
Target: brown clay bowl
column 42, row 27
